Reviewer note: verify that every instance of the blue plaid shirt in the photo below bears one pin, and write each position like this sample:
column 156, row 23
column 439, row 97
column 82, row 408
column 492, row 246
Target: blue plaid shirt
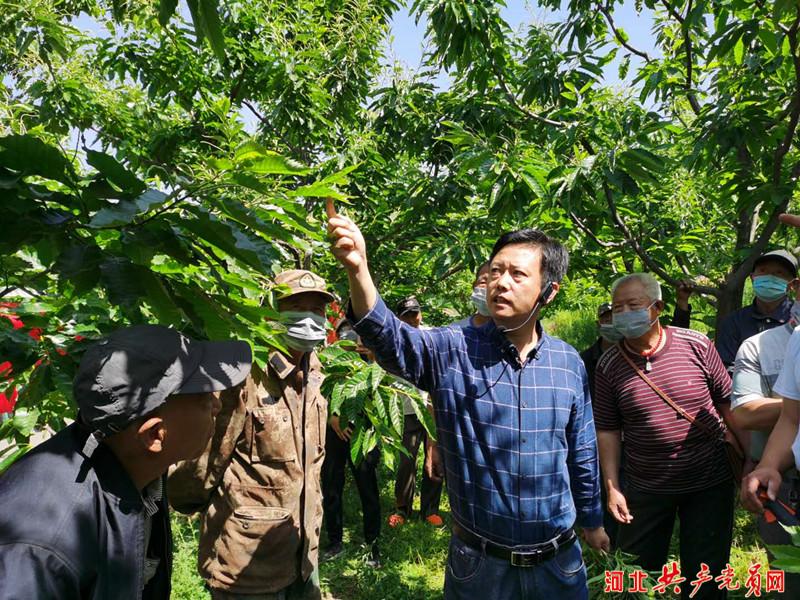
column 518, row 441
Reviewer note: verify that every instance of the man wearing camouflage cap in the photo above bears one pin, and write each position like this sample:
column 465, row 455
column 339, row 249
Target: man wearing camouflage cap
column 84, row 514
column 258, row 483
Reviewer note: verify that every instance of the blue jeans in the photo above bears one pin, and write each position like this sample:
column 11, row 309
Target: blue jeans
column 472, row 574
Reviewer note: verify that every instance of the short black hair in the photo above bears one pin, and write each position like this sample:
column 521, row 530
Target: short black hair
column 555, row 257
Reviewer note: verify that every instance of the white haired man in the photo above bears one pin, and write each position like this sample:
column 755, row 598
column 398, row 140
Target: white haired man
column 667, row 391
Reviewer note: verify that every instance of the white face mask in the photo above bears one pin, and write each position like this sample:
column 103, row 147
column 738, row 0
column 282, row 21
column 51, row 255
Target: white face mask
column 304, row 329
column 478, row 298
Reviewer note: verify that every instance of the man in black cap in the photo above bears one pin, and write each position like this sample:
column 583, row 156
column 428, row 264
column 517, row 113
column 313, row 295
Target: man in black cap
column 84, row 514
column 774, row 278
column 409, row 311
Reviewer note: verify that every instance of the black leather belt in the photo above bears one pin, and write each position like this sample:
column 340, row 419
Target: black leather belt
column 533, row 555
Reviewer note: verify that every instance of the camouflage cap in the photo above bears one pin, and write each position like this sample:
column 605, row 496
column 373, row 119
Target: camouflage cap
column 300, row 281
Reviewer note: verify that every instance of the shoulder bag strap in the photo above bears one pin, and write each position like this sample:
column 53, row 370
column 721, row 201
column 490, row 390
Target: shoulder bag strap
column 664, row 396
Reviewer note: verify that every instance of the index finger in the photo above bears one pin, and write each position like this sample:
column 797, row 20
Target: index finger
column 751, row 494
column 329, row 208
column 787, row 219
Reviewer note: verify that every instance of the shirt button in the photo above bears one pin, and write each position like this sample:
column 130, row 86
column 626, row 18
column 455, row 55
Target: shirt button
column 524, row 440
column 524, row 405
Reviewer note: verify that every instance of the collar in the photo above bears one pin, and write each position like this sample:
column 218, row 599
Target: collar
column 781, row 313
column 509, row 350
column 111, row 475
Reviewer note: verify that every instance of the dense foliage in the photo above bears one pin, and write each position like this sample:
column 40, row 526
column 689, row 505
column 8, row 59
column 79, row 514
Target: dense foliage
column 160, row 163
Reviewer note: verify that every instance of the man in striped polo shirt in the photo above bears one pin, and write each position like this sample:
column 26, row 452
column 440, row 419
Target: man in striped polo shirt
column 674, row 465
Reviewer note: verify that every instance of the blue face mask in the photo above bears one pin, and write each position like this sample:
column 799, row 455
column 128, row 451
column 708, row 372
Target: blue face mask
column 769, row 287
column 609, row 333
column 633, row 323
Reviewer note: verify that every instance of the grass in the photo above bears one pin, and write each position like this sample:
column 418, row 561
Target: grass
column 413, row 556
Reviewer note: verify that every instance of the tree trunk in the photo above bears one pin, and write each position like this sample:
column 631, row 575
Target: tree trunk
column 728, row 301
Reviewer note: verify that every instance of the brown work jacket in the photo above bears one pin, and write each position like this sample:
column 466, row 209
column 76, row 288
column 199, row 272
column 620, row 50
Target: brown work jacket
column 259, row 482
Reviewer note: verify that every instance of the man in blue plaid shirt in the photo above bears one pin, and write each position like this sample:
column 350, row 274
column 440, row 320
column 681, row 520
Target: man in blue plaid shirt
column 514, row 419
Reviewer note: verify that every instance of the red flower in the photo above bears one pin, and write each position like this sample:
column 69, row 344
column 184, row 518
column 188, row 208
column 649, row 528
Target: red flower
column 61, row 351
column 7, row 403
column 16, row 322
column 79, row 338
column 36, row 333
column 5, row 366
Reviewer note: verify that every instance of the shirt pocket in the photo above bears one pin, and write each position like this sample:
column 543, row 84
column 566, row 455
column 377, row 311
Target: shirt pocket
column 272, row 435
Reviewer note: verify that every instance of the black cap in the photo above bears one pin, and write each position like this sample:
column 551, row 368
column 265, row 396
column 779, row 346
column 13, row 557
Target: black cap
column 134, row 370
column 780, row 255
column 408, row 305
column 604, row 308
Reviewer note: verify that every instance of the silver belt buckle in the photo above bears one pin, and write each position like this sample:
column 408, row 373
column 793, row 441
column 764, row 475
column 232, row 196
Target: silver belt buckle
column 525, row 559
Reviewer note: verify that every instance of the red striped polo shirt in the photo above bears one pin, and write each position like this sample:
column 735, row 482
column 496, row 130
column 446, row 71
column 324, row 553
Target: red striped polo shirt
column 664, row 453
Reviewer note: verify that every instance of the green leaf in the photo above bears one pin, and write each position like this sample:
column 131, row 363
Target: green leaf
column 317, row 190
column 786, row 553
column 32, row 156
column 158, row 297
column 272, row 163
column 24, row 421
column 396, row 412
column 209, row 10
column 793, row 531
column 166, row 8
column 80, row 265
column 230, row 239
column 197, row 19
column 127, row 210
column 738, row 51
column 115, row 172
column 123, row 281
column 12, row 458
column 355, row 443
column 206, row 312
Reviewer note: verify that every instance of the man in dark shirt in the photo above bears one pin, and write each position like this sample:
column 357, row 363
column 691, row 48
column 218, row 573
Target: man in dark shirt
column 774, row 278
column 365, row 474
column 84, row 513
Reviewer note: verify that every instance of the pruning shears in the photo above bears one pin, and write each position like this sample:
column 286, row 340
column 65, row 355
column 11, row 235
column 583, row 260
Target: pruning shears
column 775, row 510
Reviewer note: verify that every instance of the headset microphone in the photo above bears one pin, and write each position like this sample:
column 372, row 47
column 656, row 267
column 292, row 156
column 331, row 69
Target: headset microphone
column 548, row 289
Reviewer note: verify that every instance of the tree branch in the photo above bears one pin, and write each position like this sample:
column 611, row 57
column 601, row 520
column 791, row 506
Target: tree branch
column 618, row 34
column 634, row 243
column 687, row 44
column 587, row 231
column 516, row 104
column 28, row 282
column 449, row 273
column 264, row 121
column 766, row 233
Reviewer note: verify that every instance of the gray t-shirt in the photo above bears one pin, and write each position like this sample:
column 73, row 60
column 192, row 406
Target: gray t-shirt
column 758, row 363
column 788, row 384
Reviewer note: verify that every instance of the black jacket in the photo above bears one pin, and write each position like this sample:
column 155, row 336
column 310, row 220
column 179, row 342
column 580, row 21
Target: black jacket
column 72, row 527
